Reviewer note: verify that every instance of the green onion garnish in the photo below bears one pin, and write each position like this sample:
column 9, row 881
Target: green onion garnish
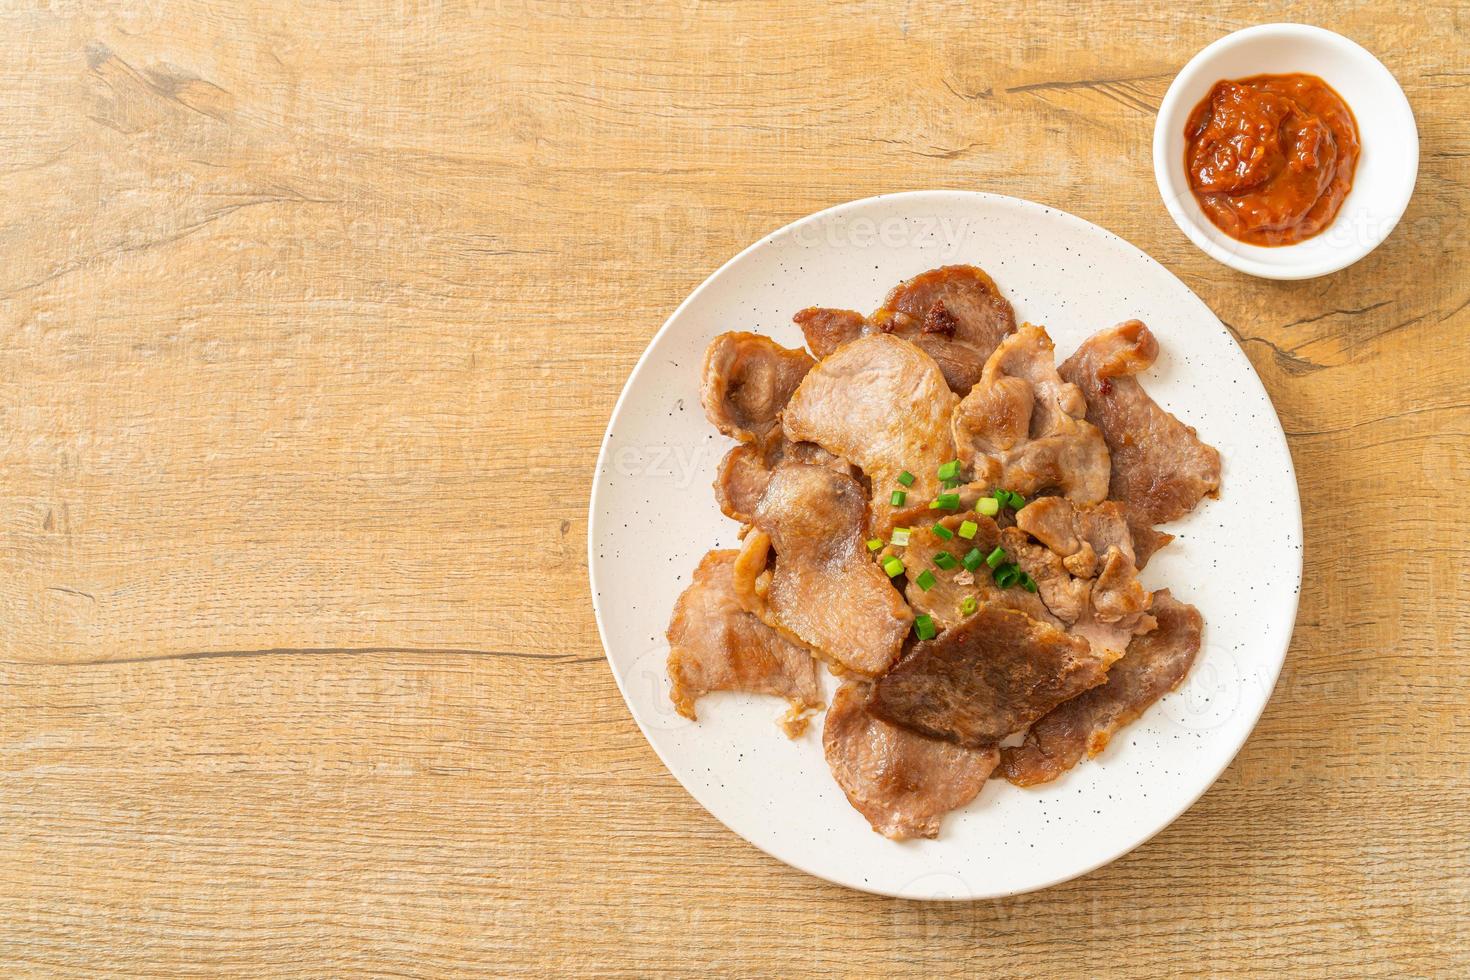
column 940, row 531
column 897, row 497
column 972, row 560
column 1007, row 575
column 900, row 537
column 946, row 501
column 995, row 557
column 945, row 560
column 968, row 529
column 950, row 470
column 875, row 543
column 925, row 580
column 969, row 606
column 1028, row 583
column 906, row 478
column 1017, row 501
column 893, row 565
column 924, row 627
column 988, row 506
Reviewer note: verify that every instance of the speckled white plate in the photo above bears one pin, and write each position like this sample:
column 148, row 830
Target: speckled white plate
column 1238, row 558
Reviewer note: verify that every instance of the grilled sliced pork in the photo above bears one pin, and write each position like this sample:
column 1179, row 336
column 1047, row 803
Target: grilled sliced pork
column 902, row 782
column 881, row 404
column 1160, row 468
column 1153, row 666
column 823, row 589
column 715, row 645
column 1023, row 428
column 994, row 674
column 956, row 314
column 747, row 380
column 746, row 470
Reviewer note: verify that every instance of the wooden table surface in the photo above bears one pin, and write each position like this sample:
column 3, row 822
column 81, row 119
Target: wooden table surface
column 311, row 318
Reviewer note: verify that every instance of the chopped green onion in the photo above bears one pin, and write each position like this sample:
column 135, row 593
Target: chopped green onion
column 897, row 497
column 945, row 560
column 1001, row 496
column 875, row 543
column 973, row 559
column 893, row 565
column 946, row 501
column 968, row 529
column 951, row 484
column 1028, row 583
column 987, row 506
column 924, row 627
column 925, row 580
column 906, row 478
column 900, row 537
column 1017, row 501
column 1007, row 575
column 950, row 470
column 969, row 606
column 940, row 531
column 995, row 557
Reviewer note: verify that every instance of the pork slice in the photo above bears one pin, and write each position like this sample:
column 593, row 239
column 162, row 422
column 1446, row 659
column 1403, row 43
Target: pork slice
column 747, row 380
column 992, row 675
column 955, row 314
column 746, row 470
column 823, row 589
column 1079, row 534
column 1023, row 428
column 881, row 404
column 826, row 330
column 902, row 782
column 715, row 645
column 1154, row 665
column 1160, row 468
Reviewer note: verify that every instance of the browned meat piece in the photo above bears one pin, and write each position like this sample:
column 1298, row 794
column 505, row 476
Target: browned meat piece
column 826, row 330
column 1160, row 467
column 747, row 468
column 994, row 674
column 902, row 782
column 1153, row 666
column 955, row 314
column 881, row 404
column 952, row 586
column 823, row 590
column 715, row 645
column 1107, row 611
column 1079, row 535
column 1022, row 428
column 747, row 380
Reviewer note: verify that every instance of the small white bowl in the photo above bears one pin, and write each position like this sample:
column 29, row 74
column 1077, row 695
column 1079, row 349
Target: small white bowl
column 1388, row 163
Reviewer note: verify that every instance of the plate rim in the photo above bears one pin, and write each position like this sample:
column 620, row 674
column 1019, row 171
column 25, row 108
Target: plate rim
column 1294, row 513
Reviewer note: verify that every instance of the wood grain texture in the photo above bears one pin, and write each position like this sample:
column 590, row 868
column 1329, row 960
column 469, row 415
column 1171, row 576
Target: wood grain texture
column 311, row 317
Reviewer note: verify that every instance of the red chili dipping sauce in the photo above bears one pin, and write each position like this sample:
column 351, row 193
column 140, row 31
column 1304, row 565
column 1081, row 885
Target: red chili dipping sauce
column 1271, row 157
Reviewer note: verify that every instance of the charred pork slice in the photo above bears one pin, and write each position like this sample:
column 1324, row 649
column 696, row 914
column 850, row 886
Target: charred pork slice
column 747, row 380
column 881, row 404
column 956, row 314
column 994, row 674
column 1153, row 666
column 1161, row 469
column 823, row 589
column 715, row 645
column 1023, row 428
column 902, row 782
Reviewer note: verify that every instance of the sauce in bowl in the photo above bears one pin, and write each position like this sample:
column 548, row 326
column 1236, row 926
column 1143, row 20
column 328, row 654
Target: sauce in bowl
column 1270, row 158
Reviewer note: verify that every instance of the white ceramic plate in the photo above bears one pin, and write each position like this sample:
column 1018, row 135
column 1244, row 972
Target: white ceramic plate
column 1238, row 558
